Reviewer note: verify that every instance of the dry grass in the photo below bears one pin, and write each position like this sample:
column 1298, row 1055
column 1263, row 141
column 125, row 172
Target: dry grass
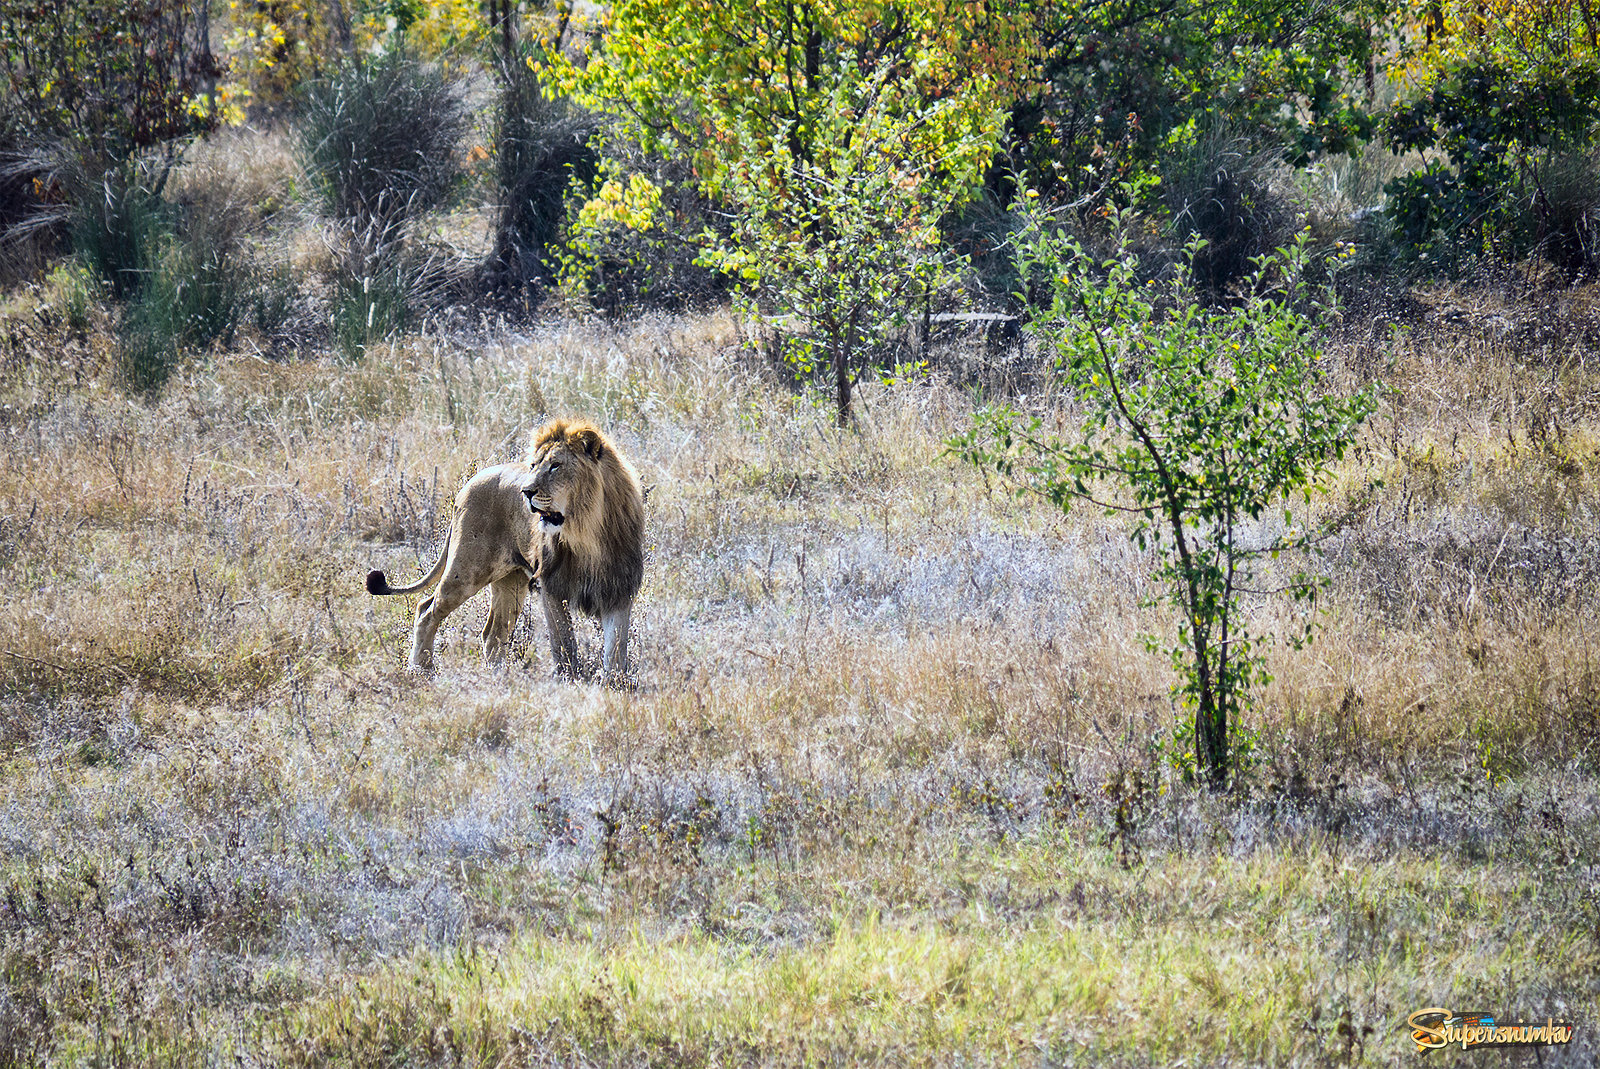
column 886, row 790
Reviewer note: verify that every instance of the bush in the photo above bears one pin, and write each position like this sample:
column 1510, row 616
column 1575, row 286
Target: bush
column 119, row 75
column 630, row 237
column 1201, row 423
column 1505, row 143
column 118, row 222
column 184, row 275
column 26, row 233
column 1223, row 188
column 379, row 139
column 1567, row 206
column 90, row 85
column 541, row 148
column 983, row 232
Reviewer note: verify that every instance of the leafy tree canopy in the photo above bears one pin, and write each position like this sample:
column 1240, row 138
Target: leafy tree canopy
column 1119, row 81
column 713, row 80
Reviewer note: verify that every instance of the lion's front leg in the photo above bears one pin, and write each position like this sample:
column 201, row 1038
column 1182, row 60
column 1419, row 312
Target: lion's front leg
column 563, row 644
column 614, row 625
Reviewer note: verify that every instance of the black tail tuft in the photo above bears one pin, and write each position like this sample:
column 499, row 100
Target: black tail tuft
column 377, row 583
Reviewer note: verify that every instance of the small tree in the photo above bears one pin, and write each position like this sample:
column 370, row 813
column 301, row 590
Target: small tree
column 1196, row 421
column 836, row 132
column 840, row 238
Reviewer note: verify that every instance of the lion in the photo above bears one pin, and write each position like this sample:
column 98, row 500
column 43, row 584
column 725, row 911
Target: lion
column 586, row 550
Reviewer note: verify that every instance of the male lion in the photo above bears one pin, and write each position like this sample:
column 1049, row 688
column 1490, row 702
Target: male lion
column 586, row 551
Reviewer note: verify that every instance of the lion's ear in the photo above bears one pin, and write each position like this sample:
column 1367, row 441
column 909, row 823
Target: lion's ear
column 589, row 441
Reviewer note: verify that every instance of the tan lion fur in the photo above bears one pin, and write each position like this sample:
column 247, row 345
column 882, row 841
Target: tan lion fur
column 492, row 542
column 569, row 521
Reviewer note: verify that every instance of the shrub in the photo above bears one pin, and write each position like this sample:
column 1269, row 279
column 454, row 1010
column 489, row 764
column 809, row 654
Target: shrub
column 1114, row 81
column 1221, row 187
column 837, row 136
column 90, row 84
column 379, row 139
column 25, row 231
column 1498, row 133
column 1566, row 202
column 185, row 278
column 541, row 148
column 983, row 231
column 119, row 75
column 631, row 237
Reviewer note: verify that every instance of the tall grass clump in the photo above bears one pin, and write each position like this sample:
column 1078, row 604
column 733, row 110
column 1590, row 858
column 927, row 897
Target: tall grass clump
column 370, row 303
column 198, row 289
column 379, row 138
column 379, row 141
column 24, row 243
column 183, row 279
column 1223, row 187
column 118, row 222
column 542, row 147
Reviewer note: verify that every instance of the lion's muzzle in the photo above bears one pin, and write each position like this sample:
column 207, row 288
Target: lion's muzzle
column 548, row 516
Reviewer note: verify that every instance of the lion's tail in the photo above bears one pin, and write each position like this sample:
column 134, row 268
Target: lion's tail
column 378, row 583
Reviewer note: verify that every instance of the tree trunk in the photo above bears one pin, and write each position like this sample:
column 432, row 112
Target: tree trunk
column 1210, row 723
column 841, row 375
column 505, row 13
column 342, row 32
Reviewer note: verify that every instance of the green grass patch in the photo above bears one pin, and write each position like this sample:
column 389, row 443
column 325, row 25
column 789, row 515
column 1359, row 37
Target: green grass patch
column 1283, row 957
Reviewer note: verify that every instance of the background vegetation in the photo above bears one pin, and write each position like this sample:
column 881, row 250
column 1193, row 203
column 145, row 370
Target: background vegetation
column 906, row 775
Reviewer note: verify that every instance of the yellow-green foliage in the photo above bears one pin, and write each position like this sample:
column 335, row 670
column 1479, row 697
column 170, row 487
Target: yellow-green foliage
column 1521, row 33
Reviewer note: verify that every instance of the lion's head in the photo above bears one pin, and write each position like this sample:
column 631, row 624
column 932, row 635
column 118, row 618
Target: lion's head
column 572, row 464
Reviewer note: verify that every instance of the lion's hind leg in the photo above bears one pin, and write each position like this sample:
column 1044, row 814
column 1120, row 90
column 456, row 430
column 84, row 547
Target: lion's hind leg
column 431, row 613
column 507, row 596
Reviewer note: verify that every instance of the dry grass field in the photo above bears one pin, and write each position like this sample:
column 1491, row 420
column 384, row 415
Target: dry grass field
column 890, row 787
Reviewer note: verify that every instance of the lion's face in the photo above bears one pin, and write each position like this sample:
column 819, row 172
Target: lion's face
column 566, row 475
